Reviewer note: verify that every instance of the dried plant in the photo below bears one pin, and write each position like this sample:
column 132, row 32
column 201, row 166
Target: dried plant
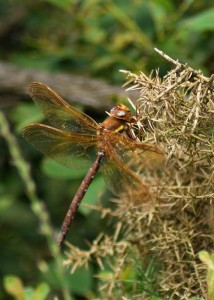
column 156, row 253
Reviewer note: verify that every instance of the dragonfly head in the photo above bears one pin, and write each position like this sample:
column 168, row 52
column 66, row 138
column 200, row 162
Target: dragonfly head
column 121, row 112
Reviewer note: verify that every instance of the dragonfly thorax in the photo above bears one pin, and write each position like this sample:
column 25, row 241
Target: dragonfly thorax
column 121, row 112
column 114, row 125
column 118, row 120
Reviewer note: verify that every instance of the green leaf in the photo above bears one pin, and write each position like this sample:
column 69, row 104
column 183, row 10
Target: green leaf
column 25, row 114
column 6, row 203
column 92, row 194
column 55, row 170
column 61, row 3
column 128, row 273
column 208, row 259
column 156, row 298
column 201, row 22
column 41, row 291
column 103, row 275
column 159, row 10
column 81, row 281
column 28, row 293
column 14, row 286
column 41, row 61
column 103, row 62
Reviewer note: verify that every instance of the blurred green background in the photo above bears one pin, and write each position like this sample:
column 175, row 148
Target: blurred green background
column 90, row 38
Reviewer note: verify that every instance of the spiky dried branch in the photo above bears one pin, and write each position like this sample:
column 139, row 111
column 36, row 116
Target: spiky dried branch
column 175, row 112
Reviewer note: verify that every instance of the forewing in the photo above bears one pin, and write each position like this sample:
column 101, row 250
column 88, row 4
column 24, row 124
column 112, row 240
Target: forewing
column 61, row 114
column 66, row 148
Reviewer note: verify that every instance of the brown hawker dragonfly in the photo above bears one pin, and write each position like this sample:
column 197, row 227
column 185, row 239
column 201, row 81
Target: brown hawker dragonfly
column 76, row 139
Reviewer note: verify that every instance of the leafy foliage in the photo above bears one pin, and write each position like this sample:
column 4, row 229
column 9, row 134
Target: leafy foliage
column 14, row 286
column 101, row 37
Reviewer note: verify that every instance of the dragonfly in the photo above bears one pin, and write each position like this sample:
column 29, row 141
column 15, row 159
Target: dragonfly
column 77, row 140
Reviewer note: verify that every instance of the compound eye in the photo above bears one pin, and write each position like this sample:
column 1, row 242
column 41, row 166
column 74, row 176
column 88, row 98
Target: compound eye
column 121, row 112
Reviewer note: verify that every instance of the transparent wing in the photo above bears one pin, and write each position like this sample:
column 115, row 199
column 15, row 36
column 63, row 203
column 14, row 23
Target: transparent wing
column 67, row 148
column 122, row 181
column 123, row 158
column 139, row 156
column 61, row 114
